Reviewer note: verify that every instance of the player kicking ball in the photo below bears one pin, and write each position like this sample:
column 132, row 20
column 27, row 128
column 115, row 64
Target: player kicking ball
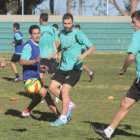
column 30, row 60
column 70, row 65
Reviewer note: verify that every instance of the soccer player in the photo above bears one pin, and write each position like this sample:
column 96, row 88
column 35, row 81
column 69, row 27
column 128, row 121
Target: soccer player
column 70, row 65
column 30, row 60
column 133, row 94
column 18, row 44
column 57, row 99
column 48, row 38
column 91, row 74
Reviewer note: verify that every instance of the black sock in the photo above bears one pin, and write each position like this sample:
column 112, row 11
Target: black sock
column 17, row 75
column 35, row 101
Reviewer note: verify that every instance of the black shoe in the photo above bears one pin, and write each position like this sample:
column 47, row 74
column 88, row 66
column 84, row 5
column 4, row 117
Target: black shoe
column 100, row 132
column 91, row 76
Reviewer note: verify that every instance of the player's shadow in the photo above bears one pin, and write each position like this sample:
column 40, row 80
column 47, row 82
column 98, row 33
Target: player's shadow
column 13, row 112
column 25, row 94
column 43, row 116
column 19, row 130
column 117, row 131
column 8, row 79
column 93, row 139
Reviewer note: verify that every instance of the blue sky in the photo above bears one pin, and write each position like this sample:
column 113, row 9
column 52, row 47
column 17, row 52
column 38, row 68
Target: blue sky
column 88, row 9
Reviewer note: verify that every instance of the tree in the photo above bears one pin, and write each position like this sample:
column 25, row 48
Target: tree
column 3, row 4
column 132, row 5
column 52, row 6
column 80, row 7
column 14, row 6
column 68, row 6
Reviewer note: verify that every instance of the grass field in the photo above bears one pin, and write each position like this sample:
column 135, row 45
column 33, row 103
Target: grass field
column 92, row 105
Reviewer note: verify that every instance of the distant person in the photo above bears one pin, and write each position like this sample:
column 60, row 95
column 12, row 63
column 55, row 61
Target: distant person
column 133, row 94
column 47, row 52
column 91, row 73
column 18, row 45
column 30, row 60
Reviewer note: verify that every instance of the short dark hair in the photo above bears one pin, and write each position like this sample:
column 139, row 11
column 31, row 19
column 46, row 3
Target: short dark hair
column 77, row 26
column 33, row 27
column 136, row 14
column 67, row 16
column 44, row 17
column 16, row 25
column 55, row 25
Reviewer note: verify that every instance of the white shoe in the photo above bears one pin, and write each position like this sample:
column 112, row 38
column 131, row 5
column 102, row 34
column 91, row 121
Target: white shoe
column 42, row 101
column 56, row 99
column 24, row 114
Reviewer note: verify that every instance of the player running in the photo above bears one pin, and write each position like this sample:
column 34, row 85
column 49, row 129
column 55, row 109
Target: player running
column 70, row 65
column 91, row 73
column 30, row 60
column 18, row 44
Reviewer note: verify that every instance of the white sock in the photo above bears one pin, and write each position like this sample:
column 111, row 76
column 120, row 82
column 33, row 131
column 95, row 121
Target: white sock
column 109, row 131
column 91, row 73
column 63, row 118
column 60, row 86
column 56, row 99
column 71, row 103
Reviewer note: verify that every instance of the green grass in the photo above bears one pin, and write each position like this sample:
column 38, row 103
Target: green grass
column 92, row 105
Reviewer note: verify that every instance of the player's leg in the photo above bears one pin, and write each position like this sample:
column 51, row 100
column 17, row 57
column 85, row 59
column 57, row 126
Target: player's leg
column 54, row 88
column 15, row 58
column 132, row 96
column 62, row 120
column 34, row 102
column 51, row 104
column 91, row 73
column 120, row 115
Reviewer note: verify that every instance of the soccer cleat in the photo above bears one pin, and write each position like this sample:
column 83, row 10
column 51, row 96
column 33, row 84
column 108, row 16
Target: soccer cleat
column 25, row 114
column 91, row 76
column 100, row 132
column 58, row 122
column 17, row 79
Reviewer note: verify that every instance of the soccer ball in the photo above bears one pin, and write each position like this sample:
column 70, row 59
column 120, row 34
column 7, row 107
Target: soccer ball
column 32, row 86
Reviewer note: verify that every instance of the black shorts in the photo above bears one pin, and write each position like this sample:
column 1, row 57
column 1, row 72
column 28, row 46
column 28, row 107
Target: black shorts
column 15, row 58
column 50, row 63
column 134, row 91
column 67, row 77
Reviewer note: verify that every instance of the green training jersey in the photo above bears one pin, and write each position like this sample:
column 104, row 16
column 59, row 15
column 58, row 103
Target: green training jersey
column 134, row 48
column 72, row 48
column 47, row 39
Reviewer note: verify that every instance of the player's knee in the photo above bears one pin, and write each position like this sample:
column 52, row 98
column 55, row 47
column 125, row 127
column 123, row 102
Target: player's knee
column 51, row 87
column 124, row 105
column 43, row 92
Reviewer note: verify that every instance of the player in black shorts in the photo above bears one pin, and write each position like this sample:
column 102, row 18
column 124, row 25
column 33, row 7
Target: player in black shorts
column 91, row 73
column 18, row 45
column 133, row 95
column 47, row 52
